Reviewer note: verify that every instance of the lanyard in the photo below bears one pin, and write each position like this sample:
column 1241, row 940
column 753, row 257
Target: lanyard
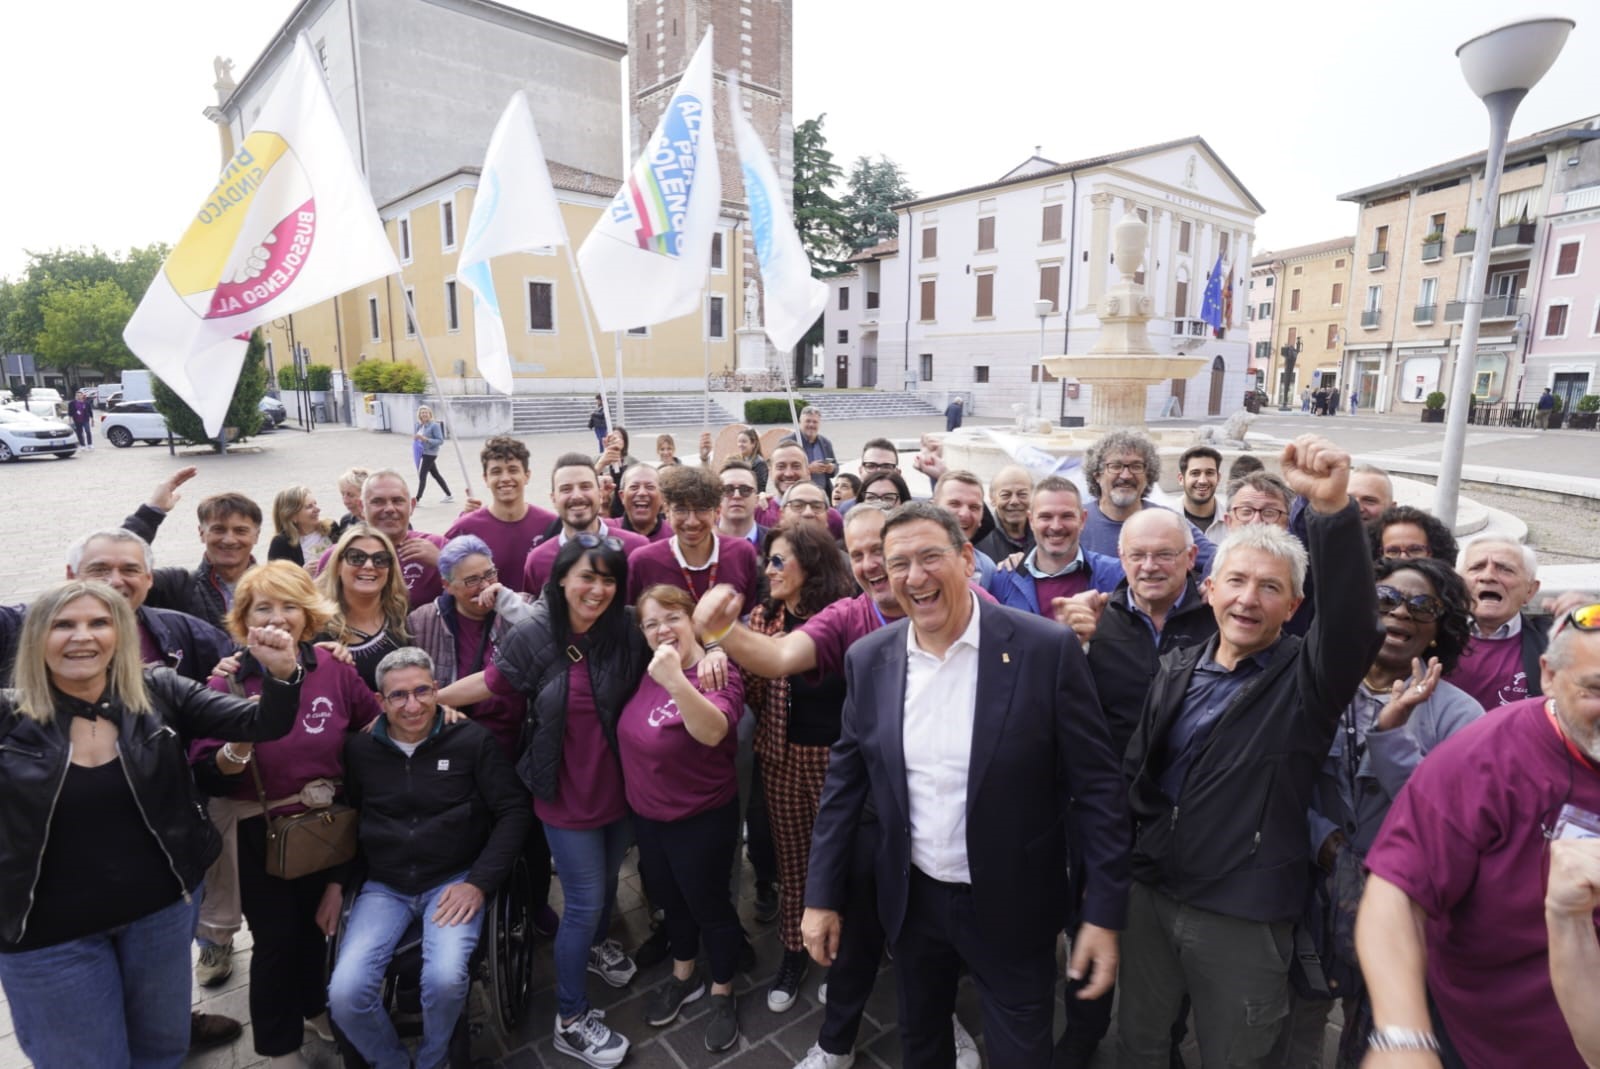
column 1572, row 748
column 688, row 578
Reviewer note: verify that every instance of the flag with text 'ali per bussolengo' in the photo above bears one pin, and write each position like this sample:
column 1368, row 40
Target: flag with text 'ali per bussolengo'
column 794, row 299
column 514, row 210
column 289, row 224
column 647, row 258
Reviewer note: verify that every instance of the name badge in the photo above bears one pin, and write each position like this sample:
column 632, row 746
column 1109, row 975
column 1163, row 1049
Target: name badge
column 443, row 765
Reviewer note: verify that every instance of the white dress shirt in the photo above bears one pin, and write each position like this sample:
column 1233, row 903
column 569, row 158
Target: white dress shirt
column 940, row 709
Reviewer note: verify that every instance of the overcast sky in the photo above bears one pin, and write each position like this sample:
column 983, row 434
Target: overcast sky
column 102, row 140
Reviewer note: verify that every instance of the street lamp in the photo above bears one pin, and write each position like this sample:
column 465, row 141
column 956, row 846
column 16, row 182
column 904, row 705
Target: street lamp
column 1042, row 309
column 1500, row 67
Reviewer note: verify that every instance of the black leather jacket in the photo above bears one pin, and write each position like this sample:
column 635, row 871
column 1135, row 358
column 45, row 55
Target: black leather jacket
column 154, row 749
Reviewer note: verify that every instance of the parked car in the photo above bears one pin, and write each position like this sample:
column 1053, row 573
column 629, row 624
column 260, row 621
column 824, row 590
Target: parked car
column 45, row 402
column 23, row 434
column 133, row 421
column 273, row 414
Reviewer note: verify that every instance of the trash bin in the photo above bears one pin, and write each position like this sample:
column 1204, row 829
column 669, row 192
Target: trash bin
column 319, row 411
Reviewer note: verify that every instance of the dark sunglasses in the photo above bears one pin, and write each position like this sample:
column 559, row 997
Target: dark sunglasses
column 1422, row 608
column 360, row 558
column 590, row 541
column 735, row 490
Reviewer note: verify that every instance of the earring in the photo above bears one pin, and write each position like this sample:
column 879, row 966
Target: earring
column 1432, row 644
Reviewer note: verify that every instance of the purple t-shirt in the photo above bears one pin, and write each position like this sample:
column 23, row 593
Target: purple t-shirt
column 589, row 787
column 422, row 580
column 508, row 542
column 837, row 626
column 772, row 515
column 736, row 565
column 1463, row 840
column 1059, row 586
column 333, row 701
column 536, row 569
column 669, row 775
column 500, row 714
column 1491, row 671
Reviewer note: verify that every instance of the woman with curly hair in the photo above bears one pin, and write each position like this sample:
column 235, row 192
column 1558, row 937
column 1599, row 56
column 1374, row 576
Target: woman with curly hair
column 1401, row 712
column 362, row 578
column 1406, row 533
column 798, row 719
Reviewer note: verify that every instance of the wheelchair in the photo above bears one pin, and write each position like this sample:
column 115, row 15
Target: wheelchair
column 501, row 968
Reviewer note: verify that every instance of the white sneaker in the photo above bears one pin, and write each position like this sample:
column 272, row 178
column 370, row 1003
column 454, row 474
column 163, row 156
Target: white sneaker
column 448, row 498
column 817, row 1058
column 319, row 1027
column 590, row 1039
column 967, row 1056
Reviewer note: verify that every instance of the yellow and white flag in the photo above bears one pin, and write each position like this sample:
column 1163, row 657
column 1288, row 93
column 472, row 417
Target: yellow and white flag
column 290, row 223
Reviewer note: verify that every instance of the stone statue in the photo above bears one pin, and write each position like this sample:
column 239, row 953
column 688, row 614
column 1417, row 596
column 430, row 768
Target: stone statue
column 752, row 304
column 224, row 72
column 1188, row 172
column 1231, row 435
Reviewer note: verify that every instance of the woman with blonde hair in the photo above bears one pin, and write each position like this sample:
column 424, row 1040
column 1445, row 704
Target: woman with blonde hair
column 302, row 534
column 350, row 496
column 103, row 837
column 362, row 579
column 289, row 919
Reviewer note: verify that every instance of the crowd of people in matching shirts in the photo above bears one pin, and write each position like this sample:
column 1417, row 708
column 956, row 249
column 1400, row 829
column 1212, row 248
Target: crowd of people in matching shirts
column 1258, row 678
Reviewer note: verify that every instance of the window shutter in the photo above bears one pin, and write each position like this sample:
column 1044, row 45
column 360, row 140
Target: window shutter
column 985, row 296
column 1052, row 223
column 928, row 300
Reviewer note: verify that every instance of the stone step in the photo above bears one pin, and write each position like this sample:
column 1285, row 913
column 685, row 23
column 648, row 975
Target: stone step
column 538, row 415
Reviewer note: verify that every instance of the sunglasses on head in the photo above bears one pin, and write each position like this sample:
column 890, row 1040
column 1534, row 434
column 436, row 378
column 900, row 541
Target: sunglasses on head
column 1422, row 608
column 360, row 558
column 1584, row 618
column 590, row 541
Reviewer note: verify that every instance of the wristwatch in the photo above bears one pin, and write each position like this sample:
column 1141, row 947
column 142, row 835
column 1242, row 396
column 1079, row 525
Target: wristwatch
column 1400, row 1039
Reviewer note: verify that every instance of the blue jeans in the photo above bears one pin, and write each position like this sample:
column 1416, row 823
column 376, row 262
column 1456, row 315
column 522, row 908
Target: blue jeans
column 588, row 862
column 115, row 998
column 378, row 921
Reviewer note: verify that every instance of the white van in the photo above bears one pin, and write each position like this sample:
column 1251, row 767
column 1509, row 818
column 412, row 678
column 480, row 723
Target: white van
column 136, row 386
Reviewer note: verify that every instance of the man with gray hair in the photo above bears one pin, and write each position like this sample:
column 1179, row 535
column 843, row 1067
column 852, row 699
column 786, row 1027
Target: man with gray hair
column 1501, row 663
column 443, row 818
column 819, row 451
column 1121, row 469
column 1221, row 767
column 386, row 500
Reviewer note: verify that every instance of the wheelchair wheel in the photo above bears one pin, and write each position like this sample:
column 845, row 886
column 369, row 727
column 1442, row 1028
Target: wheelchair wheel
column 508, row 935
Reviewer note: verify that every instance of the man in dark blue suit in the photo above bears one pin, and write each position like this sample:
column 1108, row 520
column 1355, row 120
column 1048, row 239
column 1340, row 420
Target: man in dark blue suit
column 977, row 733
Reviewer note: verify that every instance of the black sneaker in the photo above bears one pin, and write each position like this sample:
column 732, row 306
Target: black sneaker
column 673, row 995
column 722, row 1023
column 785, row 987
column 653, row 951
column 766, row 903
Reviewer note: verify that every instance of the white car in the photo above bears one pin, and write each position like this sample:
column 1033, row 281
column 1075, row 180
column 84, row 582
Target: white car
column 133, row 421
column 22, row 434
column 45, row 403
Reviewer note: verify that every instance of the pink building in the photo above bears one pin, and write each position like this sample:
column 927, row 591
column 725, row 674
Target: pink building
column 1564, row 335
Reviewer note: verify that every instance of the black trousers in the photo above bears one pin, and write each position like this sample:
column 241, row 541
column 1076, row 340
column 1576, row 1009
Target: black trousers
column 1016, row 986
column 288, row 956
column 687, row 865
column 758, row 830
column 429, row 465
column 855, row 969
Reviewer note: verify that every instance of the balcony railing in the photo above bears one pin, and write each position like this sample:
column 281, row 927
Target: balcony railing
column 1493, row 308
column 1377, row 261
column 1517, row 235
column 1432, row 250
column 1372, row 317
column 1464, row 242
column 1424, row 313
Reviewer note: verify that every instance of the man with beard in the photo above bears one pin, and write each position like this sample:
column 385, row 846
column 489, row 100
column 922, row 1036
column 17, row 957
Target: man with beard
column 1501, row 662
column 510, row 526
column 642, row 503
column 575, row 492
column 787, row 467
column 1057, row 567
column 386, row 499
column 1199, row 471
column 1120, row 469
column 1009, row 493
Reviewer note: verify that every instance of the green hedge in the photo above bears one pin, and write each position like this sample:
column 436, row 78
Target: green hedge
column 379, row 376
column 771, row 409
column 318, row 377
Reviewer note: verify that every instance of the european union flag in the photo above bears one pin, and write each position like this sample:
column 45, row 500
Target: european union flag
column 1211, row 310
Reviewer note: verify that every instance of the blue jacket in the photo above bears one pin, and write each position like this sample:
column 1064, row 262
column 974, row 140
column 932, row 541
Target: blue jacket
column 1016, row 589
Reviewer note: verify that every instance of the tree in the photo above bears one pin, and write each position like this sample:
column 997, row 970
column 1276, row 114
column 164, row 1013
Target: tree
column 874, row 186
column 818, row 215
column 82, row 327
column 49, row 271
column 243, row 412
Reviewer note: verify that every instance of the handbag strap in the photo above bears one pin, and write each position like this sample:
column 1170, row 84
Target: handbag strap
column 236, row 688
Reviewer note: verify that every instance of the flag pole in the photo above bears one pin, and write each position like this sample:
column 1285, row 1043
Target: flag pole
column 622, row 411
column 433, row 375
column 588, row 329
column 705, row 330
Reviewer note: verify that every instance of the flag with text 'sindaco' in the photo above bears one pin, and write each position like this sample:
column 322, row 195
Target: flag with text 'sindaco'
column 290, row 223
column 647, row 258
column 794, row 299
column 514, row 210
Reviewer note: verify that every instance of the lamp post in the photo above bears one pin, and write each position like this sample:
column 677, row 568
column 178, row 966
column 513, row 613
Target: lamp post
column 1500, row 67
column 1042, row 309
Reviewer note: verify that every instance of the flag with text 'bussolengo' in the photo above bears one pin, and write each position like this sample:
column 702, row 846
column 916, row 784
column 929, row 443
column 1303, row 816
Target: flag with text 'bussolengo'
column 514, row 210
column 289, row 224
column 794, row 299
column 647, row 258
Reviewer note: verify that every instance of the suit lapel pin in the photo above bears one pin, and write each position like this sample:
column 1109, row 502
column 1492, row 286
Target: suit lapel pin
column 1005, row 658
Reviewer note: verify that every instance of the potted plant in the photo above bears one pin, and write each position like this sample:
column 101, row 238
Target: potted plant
column 1466, row 237
column 1433, row 245
column 1433, row 408
column 1586, row 413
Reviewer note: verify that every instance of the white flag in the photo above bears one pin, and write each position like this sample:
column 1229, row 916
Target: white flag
column 289, row 224
column 514, row 210
column 794, row 299
column 646, row 260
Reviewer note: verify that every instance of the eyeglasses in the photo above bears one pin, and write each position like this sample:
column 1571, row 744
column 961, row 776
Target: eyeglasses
column 734, row 490
column 1163, row 556
column 478, row 582
column 1133, row 467
column 1584, row 618
column 1423, row 608
column 1248, row 513
column 590, row 541
column 358, row 558
column 877, row 466
column 401, row 698
column 890, row 498
column 928, row 559
column 1406, row 552
column 776, row 561
column 683, row 512
column 806, row 506
column 656, row 623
